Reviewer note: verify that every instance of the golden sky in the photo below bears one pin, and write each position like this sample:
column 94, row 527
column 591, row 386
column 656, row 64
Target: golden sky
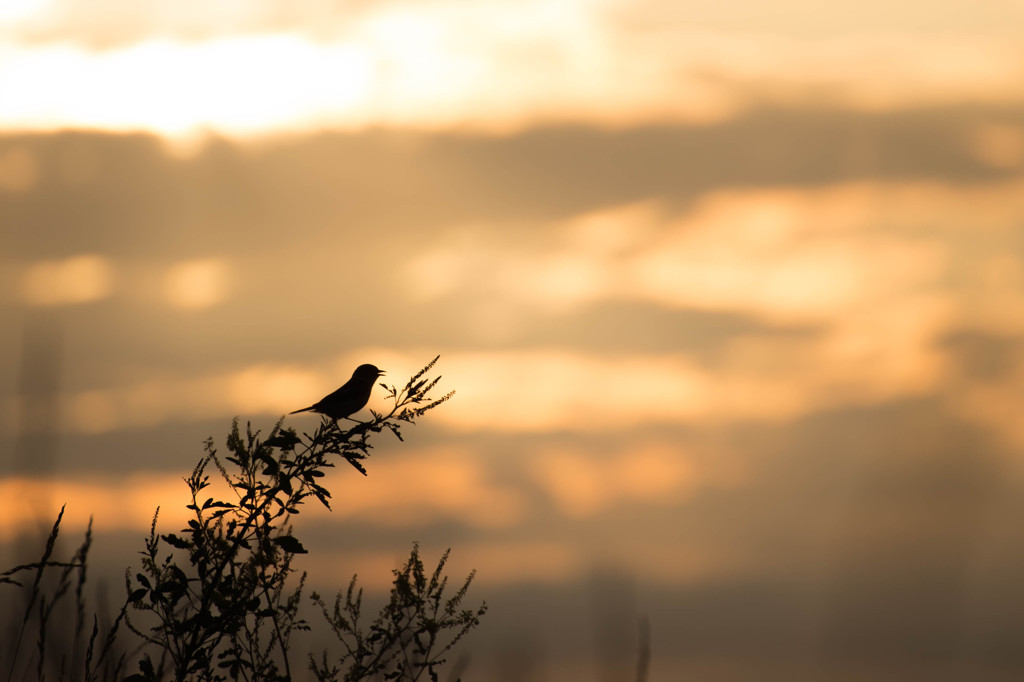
column 254, row 68
column 731, row 295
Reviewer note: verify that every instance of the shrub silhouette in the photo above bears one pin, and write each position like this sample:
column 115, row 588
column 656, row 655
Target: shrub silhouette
column 220, row 599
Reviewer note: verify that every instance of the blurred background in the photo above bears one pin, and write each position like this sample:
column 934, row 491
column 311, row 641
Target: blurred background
column 732, row 297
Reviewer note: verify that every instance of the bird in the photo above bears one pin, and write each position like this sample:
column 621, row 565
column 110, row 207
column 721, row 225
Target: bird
column 350, row 398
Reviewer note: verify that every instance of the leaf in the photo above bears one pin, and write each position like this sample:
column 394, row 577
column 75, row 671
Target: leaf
column 285, row 440
column 178, row 574
column 289, row 544
column 272, row 466
column 170, row 586
column 352, row 459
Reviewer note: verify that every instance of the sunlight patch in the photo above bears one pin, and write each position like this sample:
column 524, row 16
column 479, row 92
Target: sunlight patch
column 266, row 388
column 582, row 484
column 21, row 10
column 197, row 284
column 415, row 490
column 116, row 502
column 81, row 279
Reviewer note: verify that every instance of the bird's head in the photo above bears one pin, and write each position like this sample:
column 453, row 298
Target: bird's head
column 367, row 372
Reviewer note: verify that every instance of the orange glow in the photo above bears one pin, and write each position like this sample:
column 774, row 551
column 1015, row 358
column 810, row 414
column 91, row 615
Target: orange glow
column 730, row 297
column 877, row 298
column 81, row 279
column 784, row 255
column 406, row 489
column 787, row 254
column 273, row 389
column 262, row 388
column 583, row 485
column 413, row 488
column 431, row 484
column 197, row 284
column 544, row 390
column 115, row 503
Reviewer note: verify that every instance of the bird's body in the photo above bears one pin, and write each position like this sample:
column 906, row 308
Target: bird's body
column 350, row 398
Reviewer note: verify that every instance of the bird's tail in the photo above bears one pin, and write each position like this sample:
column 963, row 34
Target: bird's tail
column 304, row 409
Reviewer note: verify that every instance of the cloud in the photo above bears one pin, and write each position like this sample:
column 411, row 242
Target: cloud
column 784, row 255
column 498, row 67
column 875, row 274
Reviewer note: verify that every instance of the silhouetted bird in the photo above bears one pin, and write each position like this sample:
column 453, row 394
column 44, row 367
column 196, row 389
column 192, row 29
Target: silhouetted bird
column 350, row 398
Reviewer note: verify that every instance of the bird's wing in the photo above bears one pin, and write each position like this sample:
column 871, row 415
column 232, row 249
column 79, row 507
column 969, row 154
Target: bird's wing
column 343, row 393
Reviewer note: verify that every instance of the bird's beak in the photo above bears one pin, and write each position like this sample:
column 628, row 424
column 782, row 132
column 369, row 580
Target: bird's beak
column 381, row 372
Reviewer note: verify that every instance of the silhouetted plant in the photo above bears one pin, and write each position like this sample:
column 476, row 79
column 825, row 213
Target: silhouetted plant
column 49, row 604
column 411, row 634
column 218, row 591
column 219, row 599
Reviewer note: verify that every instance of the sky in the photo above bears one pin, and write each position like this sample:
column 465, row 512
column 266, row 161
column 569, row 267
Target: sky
column 731, row 297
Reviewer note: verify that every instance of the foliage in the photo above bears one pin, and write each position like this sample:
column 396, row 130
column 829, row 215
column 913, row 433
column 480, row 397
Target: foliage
column 220, row 600
column 408, row 636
